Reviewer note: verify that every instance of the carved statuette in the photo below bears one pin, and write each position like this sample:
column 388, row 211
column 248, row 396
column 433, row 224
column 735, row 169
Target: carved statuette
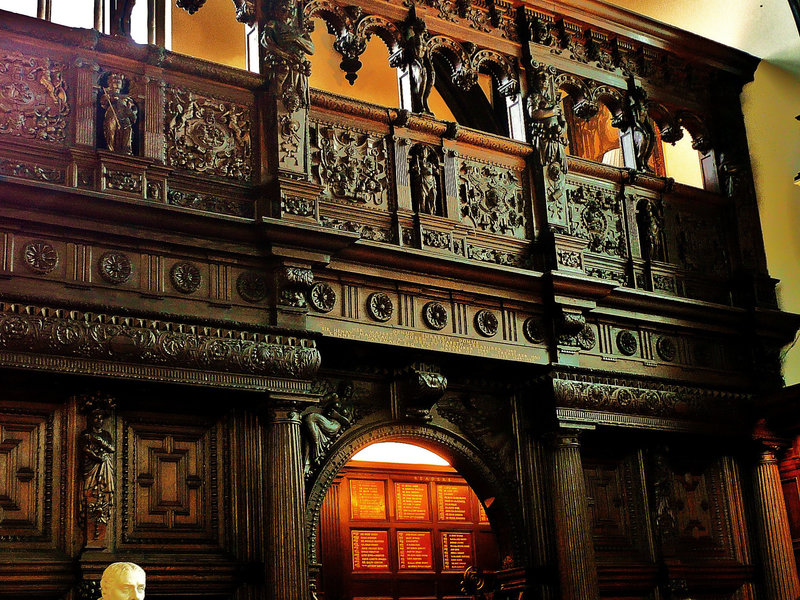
column 651, row 226
column 97, row 469
column 663, row 502
column 287, row 42
column 415, row 56
column 123, row 580
column 425, row 180
column 121, row 114
column 634, row 116
column 324, row 423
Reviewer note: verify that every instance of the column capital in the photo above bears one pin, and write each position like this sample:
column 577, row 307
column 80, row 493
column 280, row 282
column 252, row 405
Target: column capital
column 769, row 444
column 565, row 437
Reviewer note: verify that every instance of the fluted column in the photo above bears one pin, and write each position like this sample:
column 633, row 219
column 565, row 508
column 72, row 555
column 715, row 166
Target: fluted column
column 574, row 544
column 287, row 564
column 774, row 538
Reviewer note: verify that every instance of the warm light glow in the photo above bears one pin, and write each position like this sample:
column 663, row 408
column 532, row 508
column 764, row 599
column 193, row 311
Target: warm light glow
column 73, row 14
column 682, row 162
column 23, row 7
column 211, row 34
column 397, row 452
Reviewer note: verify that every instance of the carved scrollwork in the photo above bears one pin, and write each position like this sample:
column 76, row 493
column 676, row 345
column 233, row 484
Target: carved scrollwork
column 351, row 166
column 252, row 286
column 322, row 297
column 33, row 98
column 486, row 323
column 115, row 267
column 435, row 315
column 207, row 135
column 595, row 215
column 380, row 306
column 40, row 256
column 210, row 203
column 186, row 277
column 491, row 199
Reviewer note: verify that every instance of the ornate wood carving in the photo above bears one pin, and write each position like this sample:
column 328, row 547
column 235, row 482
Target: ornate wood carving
column 97, row 469
column 595, row 215
column 120, row 114
column 33, row 100
column 491, row 199
column 207, row 135
column 324, row 423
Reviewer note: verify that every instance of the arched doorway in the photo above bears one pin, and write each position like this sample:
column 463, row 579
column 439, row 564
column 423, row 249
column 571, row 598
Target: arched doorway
column 398, row 521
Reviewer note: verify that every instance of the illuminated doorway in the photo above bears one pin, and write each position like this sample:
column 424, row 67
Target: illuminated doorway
column 398, row 523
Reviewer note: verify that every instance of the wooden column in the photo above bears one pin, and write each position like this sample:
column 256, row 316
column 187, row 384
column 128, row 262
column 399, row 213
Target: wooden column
column 287, row 564
column 774, row 538
column 574, row 544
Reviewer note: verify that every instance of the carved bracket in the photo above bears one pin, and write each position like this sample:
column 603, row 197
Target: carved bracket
column 420, row 386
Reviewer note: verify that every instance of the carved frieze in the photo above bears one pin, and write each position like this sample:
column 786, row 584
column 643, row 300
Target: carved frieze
column 492, row 255
column 210, row 203
column 367, row 232
column 33, row 171
column 350, row 165
column 124, row 181
column 207, row 135
column 491, row 199
column 127, row 339
column 33, row 97
column 595, row 215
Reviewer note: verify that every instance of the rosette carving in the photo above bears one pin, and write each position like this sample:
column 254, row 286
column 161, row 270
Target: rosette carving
column 626, row 343
column 252, row 286
column 380, row 306
column 115, row 267
column 40, row 257
column 435, row 315
column 486, row 323
column 185, row 277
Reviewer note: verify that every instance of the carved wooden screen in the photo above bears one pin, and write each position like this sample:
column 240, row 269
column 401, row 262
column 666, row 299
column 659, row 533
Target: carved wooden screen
column 790, row 478
column 397, row 532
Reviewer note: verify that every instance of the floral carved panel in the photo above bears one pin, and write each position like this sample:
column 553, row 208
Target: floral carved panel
column 595, row 215
column 701, row 245
column 207, row 135
column 491, row 199
column 350, row 166
column 33, row 98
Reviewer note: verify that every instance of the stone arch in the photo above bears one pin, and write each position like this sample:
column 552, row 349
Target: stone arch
column 499, row 497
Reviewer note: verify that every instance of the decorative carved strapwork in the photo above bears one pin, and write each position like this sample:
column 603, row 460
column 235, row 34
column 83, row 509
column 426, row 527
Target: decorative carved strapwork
column 351, row 166
column 120, row 114
column 207, row 135
column 322, row 424
column 97, row 469
column 595, row 215
column 286, row 42
column 426, row 180
column 491, row 199
column 33, row 98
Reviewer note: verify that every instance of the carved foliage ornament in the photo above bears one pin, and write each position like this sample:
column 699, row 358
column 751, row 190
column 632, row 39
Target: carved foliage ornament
column 40, row 257
column 351, row 166
column 132, row 340
column 434, row 315
column 185, row 277
column 380, row 306
column 322, row 297
column 33, row 98
column 491, row 199
column 207, row 135
column 115, row 267
column 294, row 283
column 595, row 215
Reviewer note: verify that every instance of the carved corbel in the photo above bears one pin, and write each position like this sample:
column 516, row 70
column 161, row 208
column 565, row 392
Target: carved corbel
column 97, row 451
column 420, row 386
column 573, row 330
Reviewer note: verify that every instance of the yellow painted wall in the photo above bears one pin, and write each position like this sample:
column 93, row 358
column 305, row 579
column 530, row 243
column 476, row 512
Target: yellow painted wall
column 770, row 104
column 682, row 162
column 212, row 33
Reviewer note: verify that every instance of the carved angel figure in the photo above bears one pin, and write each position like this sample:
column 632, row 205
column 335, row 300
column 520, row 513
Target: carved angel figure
column 121, row 114
column 323, row 424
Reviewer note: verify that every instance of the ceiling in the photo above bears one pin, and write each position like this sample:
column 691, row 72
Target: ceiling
column 763, row 28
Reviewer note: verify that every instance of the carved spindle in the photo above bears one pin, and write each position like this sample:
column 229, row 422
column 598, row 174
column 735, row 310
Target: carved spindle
column 574, row 545
column 287, row 564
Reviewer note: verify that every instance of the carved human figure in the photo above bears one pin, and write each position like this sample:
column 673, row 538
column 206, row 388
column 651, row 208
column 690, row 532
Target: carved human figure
column 123, row 581
column 321, row 425
column 547, row 131
column 120, row 117
column 97, row 451
column 287, row 43
column 650, row 226
column 416, row 58
column 635, row 117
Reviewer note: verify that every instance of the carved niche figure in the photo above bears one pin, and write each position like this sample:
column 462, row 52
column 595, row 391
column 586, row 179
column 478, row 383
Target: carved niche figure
column 663, row 504
column 324, row 423
column 634, row 116
column 123, row 581
column 121, row 114
column 97, row 465
column 651, row 226
column 287, row 42
column 416, row 57
column 426, row 180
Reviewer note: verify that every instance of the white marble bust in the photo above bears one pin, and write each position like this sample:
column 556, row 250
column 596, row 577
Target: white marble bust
column 123, row 581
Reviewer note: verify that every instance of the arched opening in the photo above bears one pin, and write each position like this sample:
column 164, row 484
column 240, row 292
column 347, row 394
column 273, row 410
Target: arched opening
column 593, row 138
column 682, row 162
column 408, row 521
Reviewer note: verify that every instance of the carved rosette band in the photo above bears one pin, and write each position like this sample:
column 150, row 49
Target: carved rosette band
column 30, row 329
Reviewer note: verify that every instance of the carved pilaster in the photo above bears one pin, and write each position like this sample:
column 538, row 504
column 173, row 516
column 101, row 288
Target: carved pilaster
column 85, row 112
column 574, row 544
column 153, row 133
column 287, row 564
column 774, row 538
